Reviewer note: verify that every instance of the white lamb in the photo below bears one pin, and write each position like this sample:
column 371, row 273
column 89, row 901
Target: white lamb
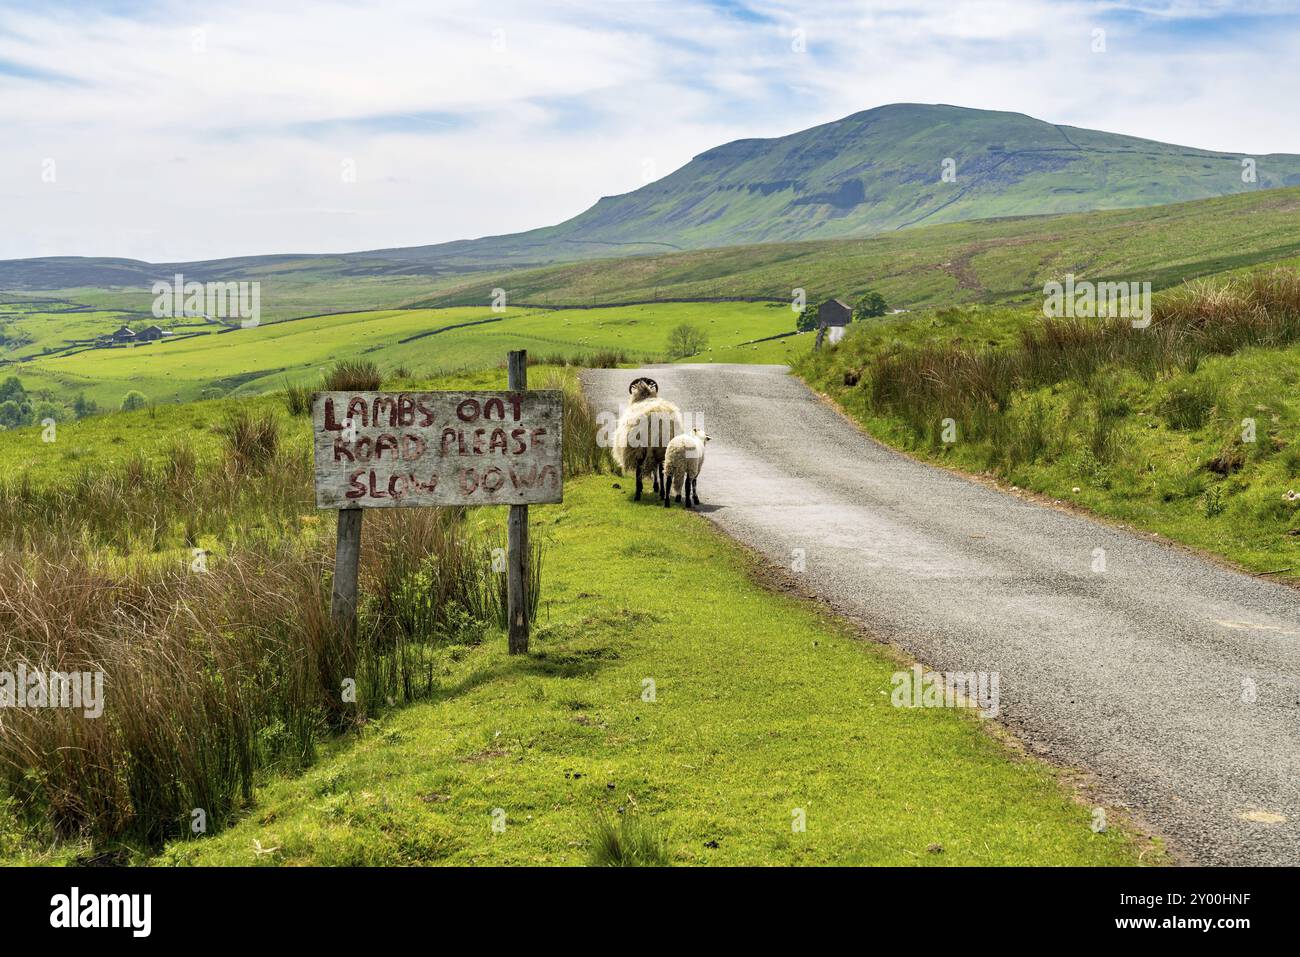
column 644, row 431
column 682, row 463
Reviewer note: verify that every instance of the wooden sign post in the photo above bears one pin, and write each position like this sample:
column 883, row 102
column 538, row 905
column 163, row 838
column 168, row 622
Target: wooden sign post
column 517, row 533
column 347, row 559
column 416, row 449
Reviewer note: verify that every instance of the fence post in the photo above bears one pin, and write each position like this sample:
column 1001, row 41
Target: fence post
column 517, row 533
column 347, row 556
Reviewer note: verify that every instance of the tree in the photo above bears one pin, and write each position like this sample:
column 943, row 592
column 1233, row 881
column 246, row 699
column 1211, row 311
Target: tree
column 11, row 414
column 134, row 400
column 686, row 340
column 871, row 305
column 807, row 320
column 48, row 410
column 11, row 388
column 83, row 407
column 15, row 404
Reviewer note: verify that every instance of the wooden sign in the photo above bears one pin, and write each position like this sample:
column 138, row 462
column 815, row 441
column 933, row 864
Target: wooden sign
column 406, row 449
column 413, row 449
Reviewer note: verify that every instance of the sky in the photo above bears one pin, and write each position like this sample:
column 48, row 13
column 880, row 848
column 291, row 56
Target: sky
column 173, row 131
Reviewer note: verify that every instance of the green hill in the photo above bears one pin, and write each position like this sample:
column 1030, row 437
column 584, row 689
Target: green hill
column 882, row 169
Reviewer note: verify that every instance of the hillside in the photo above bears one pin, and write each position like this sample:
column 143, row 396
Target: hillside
column 997, row 260
column 881, row 170
column 875, row 171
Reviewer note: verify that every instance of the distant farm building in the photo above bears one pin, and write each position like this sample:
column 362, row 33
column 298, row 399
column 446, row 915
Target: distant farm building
column 833, row 317
column 150, row 334
column 124, row 335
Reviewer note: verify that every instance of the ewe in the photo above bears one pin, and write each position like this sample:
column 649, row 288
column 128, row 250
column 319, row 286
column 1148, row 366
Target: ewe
column 682, row 463
column 644, row 430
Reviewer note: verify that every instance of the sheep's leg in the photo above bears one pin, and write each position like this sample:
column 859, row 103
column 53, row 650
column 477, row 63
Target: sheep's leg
column 686, row 482
column 695, row 490
column 637, row 496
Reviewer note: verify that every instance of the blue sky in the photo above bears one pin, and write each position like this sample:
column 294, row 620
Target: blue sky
column 171, row 131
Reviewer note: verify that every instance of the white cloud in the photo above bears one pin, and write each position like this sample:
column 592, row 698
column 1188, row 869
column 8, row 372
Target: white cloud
column 172, row 144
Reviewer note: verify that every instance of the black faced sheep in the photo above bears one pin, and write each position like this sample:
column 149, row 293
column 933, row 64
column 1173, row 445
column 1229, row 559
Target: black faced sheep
column 643, row 432
column 682, row 463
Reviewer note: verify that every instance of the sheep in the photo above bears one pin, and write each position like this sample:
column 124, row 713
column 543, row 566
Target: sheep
column 682, row 463
column 643, row 432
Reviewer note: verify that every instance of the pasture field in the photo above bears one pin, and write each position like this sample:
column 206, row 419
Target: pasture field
column 42, row 321
column 28, row 329
column 290, row 287
column 248, row 361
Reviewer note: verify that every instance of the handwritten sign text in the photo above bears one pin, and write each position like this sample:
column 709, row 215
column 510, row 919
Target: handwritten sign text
column 404, row 449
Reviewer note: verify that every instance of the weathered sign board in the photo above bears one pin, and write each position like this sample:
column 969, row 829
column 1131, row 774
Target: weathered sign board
column 412, row 449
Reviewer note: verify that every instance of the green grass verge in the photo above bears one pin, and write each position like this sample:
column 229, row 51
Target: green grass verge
column 763, row 704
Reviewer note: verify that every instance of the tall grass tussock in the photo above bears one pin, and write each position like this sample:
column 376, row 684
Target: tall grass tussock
column 348, row 375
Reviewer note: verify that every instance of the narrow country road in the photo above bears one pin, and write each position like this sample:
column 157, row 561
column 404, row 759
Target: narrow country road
column 1174, row 681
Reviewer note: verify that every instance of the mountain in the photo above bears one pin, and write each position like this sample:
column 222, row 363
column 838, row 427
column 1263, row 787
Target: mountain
column 882, row 170
column 875, row 171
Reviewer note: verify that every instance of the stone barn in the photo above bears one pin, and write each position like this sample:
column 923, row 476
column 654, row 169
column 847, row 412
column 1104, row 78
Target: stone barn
column 833, row 317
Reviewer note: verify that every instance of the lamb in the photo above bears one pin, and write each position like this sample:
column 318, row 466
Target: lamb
column 682, row 463
column 643, row 432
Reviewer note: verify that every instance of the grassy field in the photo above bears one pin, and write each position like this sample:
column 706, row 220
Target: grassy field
column 248, row 361
column 762, row 705
column 1188, row 429
column 290, row 286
